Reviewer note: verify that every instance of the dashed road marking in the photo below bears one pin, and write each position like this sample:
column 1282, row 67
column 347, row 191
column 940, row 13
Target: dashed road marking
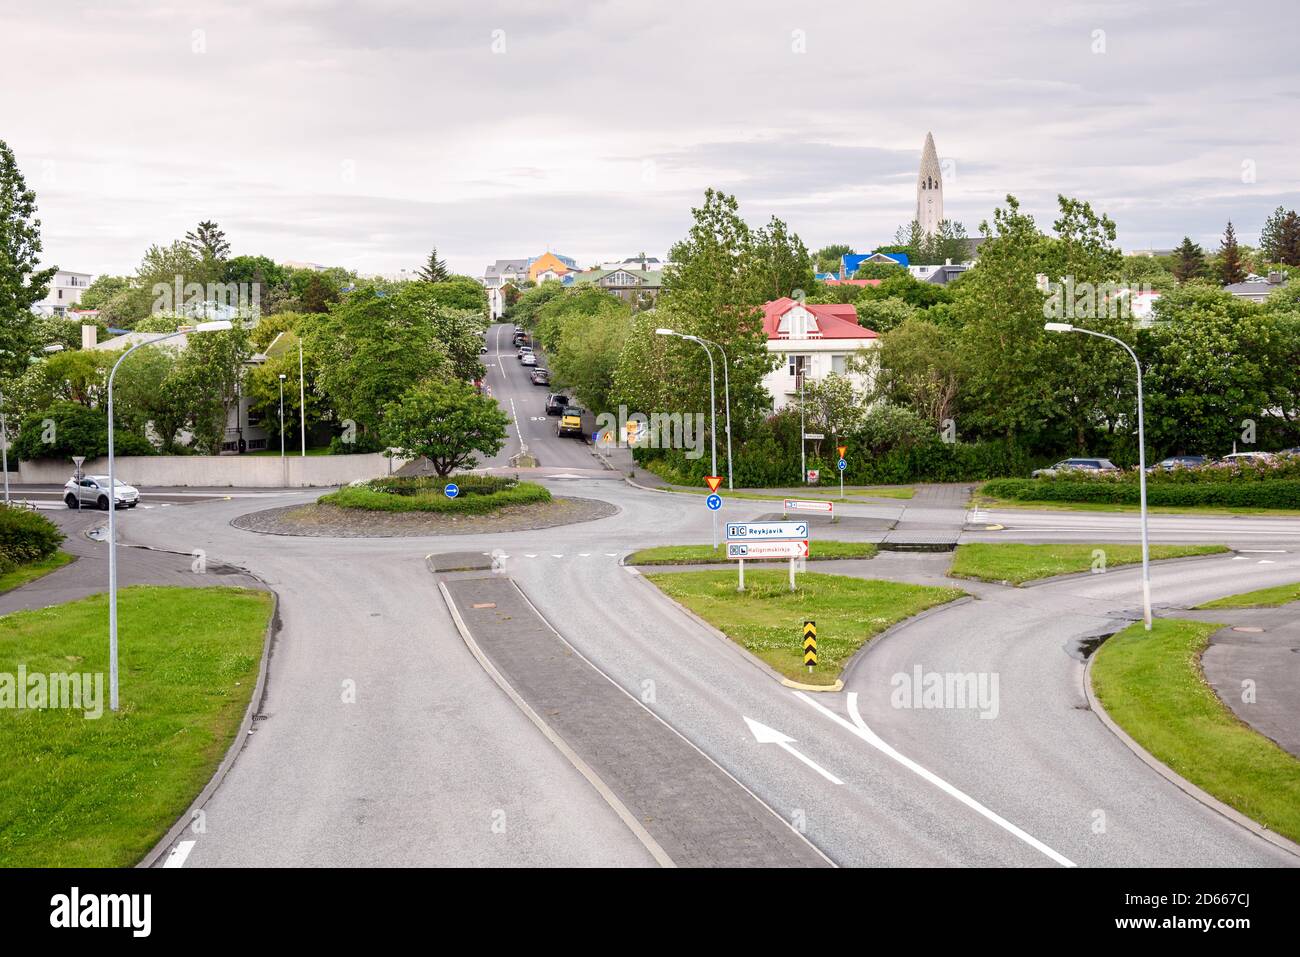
column 179, row 854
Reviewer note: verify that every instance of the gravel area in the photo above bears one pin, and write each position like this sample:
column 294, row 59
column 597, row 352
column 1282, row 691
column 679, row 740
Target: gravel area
column 330, row 521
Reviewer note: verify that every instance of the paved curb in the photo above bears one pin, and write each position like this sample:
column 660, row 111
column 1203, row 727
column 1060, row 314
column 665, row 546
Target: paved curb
column 626, row 816
column 1174, row 777
column 255, row 702
column 855, row 662
column 1070, row 576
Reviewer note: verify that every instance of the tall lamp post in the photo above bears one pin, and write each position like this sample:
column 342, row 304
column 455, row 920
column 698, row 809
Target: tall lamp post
column 726, row 390
column 282, row 378
column 1142, row 461
column 4, row 447
column 713, row 410
column 302, row 401
column 219, row 325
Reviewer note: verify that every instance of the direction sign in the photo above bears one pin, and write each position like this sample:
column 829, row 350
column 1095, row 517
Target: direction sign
column 767, row 549
column 713, row 481
column 804, row 505
column 765, row 531
column 814, row 436
column 842, row 465
column 714, row 502
column 814, row 475
column 452, row 490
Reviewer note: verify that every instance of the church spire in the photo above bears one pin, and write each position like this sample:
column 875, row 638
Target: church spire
column 929, row 189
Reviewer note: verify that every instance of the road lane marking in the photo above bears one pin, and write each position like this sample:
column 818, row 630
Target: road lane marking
column 179, row 854
column 859, row 727
column 765, row 735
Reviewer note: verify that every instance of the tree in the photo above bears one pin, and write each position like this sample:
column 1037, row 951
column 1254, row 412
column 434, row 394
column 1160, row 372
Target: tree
column 434, row 269
column 1189, row 261
column 66, row 429
column 22, row 284
column 1231, row 268
column 209, row 373
column 882, row 315
column 1279, row 240
column 457, row 330
column 318, row 294
column 446, row 422
column 103, row 288
column 828, row 258
column 777, row 263
column 869, row 270
column 208, row 241
column 262, row 386
column 584, row 343
column 462, row 293
column 920, row 364
column 831, row 407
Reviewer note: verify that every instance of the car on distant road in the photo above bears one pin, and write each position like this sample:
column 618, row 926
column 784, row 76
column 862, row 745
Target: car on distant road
column 541, row 376
column 528, row 359
column 556, row 402
column 1077, row 465
column 92, row 490
column 570, row 421
column 1248, row 458
column 482, row 350
column 1180, row 462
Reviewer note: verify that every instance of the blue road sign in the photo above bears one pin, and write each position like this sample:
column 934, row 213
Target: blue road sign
column 842, row 465
column 714, row 502
column 452, row 490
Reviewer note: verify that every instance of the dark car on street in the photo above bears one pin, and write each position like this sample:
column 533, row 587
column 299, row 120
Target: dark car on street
column 1077, row 465
column 1180, row 462
column 555, row 402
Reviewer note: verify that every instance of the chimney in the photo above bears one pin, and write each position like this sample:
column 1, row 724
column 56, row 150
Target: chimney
column 89, row 335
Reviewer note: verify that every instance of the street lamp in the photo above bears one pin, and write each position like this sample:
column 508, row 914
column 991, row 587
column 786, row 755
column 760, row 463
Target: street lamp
column 713, row 410
column 302, row 401
column 218, row 325
column 282, row 378
column 726, row 390
column 4, row 448
column 1142, row 461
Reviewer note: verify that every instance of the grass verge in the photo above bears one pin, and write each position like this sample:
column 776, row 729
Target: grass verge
column 33, row 570
column 1016, row 564
column 705, row 555
column 1152, row 686
column 433, row 500
column 767, row 618
column 83, row 792
column 1273, row 597
column 989, row 501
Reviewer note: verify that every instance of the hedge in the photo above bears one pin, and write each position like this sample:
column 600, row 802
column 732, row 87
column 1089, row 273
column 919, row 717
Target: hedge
column 1279, row 493
column 478, row 495
column 25, row 536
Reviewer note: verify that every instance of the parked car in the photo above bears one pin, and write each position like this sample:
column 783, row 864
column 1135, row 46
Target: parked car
column 528, row 359
column 570, row 421
column 1248, row 458
column 556, row 402
column 92, row 491
column 524, row 351
column 1077, row 465
column 541, row 377
column 482, row 350
column 1180, row 461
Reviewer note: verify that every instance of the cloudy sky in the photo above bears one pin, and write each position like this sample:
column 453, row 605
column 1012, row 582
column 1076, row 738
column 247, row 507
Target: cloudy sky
column 362, row 134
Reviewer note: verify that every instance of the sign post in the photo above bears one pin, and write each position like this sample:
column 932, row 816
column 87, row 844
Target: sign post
column 76, row 474
column 766, row 540
column 842, row 465
column 810, row 644
column 714, row 502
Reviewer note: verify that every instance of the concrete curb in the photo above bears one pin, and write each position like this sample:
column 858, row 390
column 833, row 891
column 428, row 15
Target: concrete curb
column 581, row 766
column 856, row 661
column 1175, row 778
column 1128, row 566
column 255, row 702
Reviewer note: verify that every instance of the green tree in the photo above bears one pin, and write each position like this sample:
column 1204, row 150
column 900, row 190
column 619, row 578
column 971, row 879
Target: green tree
column 777, row 263
column 434, row 269
column 828, row 258
column 920, row 364
column 1189, row 260
column 462, row 293
column 1279, row 240
column 882, row 271
column 209, row 373
column 318, row 294
column 208, row 241
column 102, row 289
column 586, row 354
column 457, row 330
column 446, row 422
column 1231, row 267
column 262, row 386
column 22, row 283
column 882, row 315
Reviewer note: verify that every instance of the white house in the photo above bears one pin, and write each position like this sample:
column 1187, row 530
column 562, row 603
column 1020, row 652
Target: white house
column 65, row 292
column 813, row 341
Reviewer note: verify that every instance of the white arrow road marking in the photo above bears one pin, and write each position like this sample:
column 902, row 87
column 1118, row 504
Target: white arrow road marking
column 178, row 855
column 765, row 735
column 859, row 727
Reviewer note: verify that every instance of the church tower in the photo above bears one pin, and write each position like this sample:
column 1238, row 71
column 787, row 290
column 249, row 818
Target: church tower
column 929, row 189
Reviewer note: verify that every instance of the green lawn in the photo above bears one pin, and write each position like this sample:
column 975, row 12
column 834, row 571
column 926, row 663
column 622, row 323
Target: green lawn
column 704, row 554
column 291, row 449
column 34, row 570
column 821, row 493
column 1016, row 563
column 767, row 618
column 367, row 499
column 83, row 792
column 1262, row 598
column 1152, row 686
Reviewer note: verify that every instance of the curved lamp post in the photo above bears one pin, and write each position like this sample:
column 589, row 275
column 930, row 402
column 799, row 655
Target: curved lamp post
column 726, row 393
column 1142, row 461
column 220, row 325
column 713, row 410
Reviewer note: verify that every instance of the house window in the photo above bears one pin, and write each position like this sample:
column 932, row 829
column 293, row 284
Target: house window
column 797, row 365
column 837, row 364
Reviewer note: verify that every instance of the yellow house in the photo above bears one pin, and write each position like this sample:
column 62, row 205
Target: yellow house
column 548, row 263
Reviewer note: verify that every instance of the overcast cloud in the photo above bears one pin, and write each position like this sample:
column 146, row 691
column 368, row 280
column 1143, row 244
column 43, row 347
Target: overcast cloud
column 362, row 134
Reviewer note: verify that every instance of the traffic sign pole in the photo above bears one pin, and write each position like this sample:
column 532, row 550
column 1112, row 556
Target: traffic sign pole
column 792, row 561
column 741, row 586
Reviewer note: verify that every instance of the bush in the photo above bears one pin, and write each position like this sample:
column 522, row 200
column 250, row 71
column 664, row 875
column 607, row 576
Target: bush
column 76, row 430
column 1279, row 493
column 479, row 494
column 364, row 443
column 26, row 536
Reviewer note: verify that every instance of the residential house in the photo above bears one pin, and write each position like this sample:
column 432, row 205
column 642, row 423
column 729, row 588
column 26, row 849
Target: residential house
column 637, row 287
column 1258, row 288
column 497, row 276
column 812, row 341
column 65, row 292
column 850, row 264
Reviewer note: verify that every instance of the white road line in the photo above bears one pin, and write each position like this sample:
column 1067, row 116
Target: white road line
column 765, row 735
column 179, row 854
column 534, row 555
column 859, row 727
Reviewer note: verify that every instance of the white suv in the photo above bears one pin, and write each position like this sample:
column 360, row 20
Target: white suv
column 92, row 491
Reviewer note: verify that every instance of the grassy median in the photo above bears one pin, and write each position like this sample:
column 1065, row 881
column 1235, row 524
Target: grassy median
column 767, row 618
column 1152, row 686
column 477, row 495
column 1273, row 597
column 705, row 554
column 82, row 791
column 1015, row 564
column 33, row 570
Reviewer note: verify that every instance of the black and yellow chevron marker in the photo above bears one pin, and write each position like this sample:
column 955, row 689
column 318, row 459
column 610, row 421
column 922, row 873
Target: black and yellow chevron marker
column 810, row 644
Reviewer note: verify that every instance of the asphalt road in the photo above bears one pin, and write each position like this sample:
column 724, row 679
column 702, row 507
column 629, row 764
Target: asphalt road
column 433, row 764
